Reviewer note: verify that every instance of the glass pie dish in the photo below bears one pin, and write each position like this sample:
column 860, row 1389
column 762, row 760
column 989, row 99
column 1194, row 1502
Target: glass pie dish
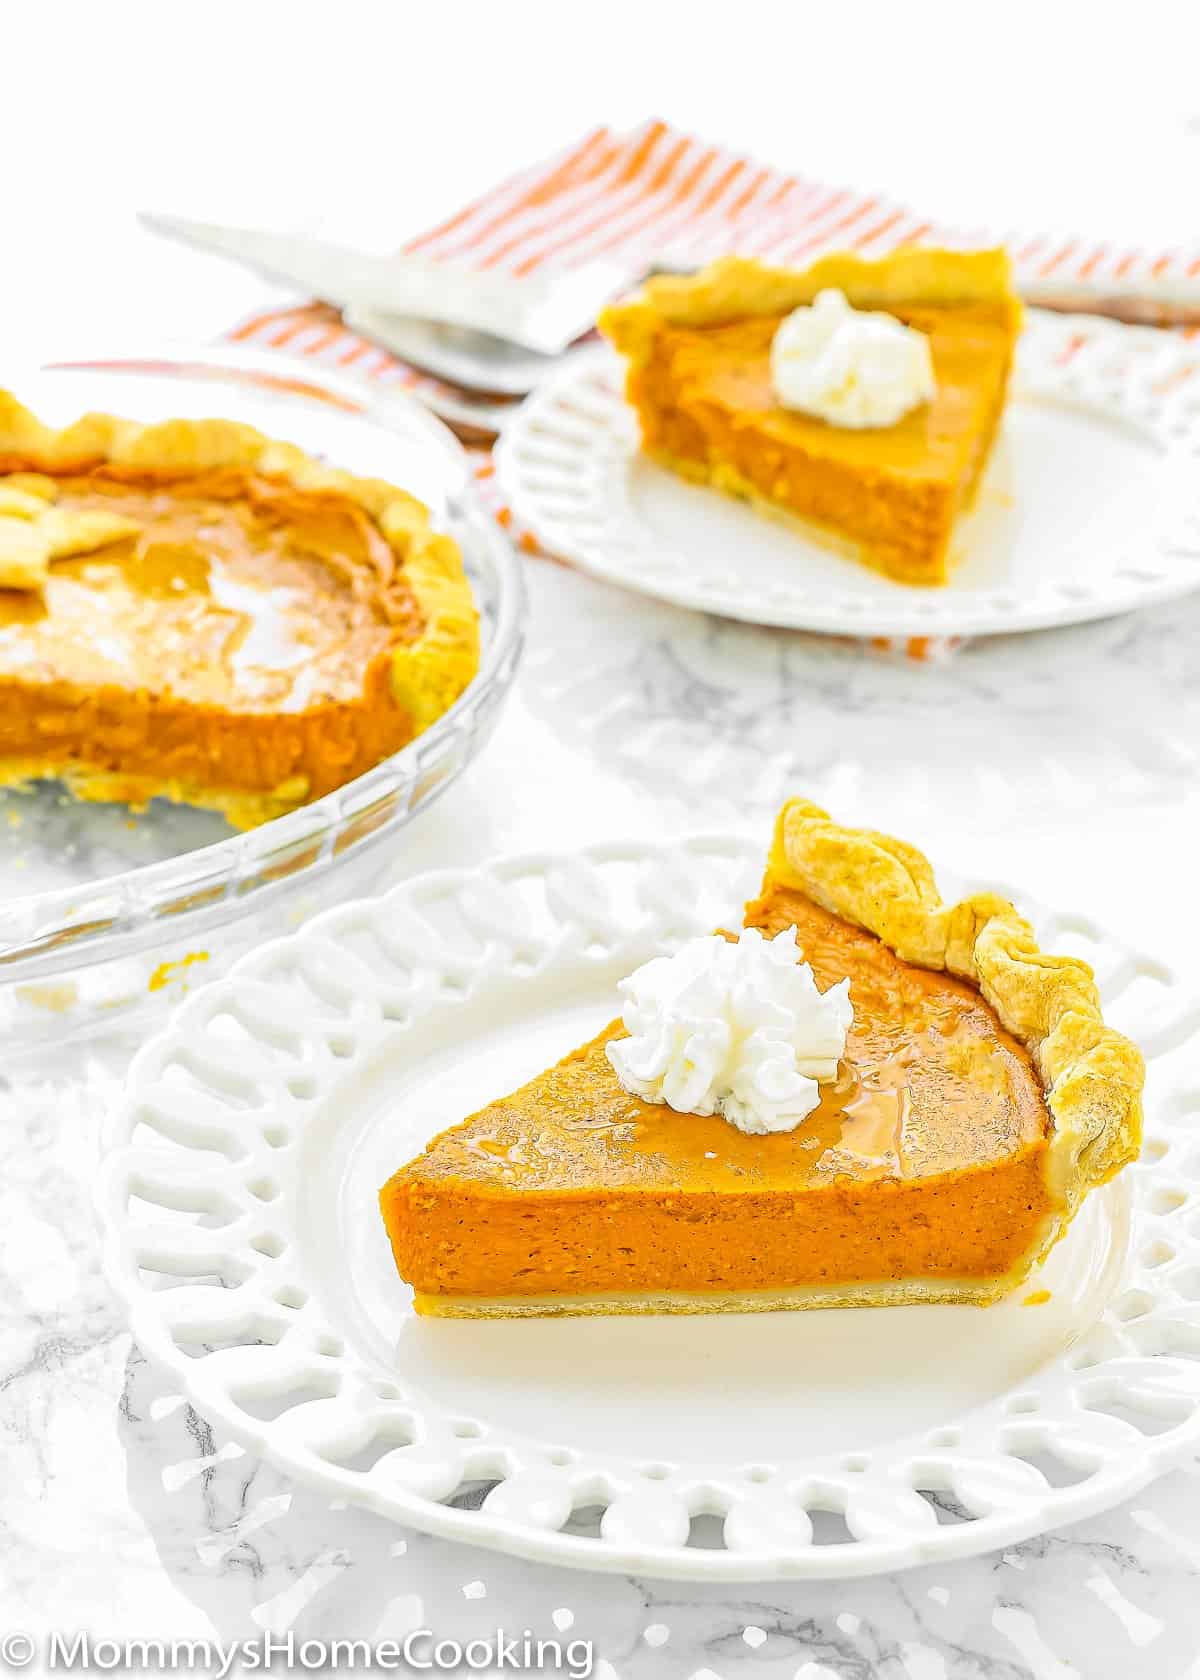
column 105, row 913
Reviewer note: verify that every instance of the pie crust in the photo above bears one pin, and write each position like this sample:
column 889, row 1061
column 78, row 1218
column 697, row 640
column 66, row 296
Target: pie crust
column 1091, row 1075
column 1036, row 1109
column 698, row 376
column 733, row 288
column 401, row 585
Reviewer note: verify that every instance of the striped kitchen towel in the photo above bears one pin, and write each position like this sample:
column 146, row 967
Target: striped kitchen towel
column 656, row 194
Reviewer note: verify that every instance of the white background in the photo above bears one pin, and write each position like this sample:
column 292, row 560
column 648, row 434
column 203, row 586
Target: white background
column 373, row 119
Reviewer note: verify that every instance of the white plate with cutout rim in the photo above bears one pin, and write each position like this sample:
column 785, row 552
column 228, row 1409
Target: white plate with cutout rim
column 238, row 1196
column 1090, row 505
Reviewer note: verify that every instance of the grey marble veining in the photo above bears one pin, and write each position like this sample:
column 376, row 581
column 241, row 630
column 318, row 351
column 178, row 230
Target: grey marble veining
column 728, row 713
column 172, row 1530
column 123, row 1512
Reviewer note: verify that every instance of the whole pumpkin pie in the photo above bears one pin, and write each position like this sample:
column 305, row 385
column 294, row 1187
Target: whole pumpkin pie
column 193, row 610
column 700, row 378
column 979, row 1098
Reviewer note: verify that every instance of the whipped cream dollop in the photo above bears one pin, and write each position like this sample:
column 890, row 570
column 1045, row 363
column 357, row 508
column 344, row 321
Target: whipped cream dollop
column 732, row 1027
column 849, row 366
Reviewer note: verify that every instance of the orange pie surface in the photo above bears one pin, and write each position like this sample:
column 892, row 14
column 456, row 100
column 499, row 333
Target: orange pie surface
column 924, row 1160
column 227, row 636
column 699, row 379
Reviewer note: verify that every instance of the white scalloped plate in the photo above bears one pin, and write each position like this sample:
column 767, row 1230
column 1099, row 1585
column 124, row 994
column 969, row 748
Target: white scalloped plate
column 239, row 1197
column 1090, row 505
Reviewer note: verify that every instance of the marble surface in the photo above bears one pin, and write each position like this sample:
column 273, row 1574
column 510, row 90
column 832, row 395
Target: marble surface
column 1060, row 761
column 1065, row 761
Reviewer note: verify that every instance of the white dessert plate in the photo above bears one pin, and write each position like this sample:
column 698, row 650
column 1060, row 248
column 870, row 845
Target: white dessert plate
column 242, row 1232
column 1090, row 505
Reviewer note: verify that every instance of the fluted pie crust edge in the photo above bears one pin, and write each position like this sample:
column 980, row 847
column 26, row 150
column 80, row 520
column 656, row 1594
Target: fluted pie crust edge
column 733, row 288
column 1092, row 1076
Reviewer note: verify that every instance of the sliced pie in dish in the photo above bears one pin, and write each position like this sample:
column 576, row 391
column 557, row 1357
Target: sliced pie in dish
column 192, row 610
column 980, row 1097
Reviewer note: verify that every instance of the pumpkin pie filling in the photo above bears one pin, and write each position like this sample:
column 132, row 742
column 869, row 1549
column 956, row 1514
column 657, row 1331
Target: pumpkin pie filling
column 231, row 638
column 878, row 1182
column 923, row 1174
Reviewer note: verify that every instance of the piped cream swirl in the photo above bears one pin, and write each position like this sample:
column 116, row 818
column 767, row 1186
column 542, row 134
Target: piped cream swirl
column 732, row 1027
column 850, row 367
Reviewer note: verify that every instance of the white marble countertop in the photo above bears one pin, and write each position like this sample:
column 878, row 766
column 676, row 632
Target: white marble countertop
column 1065, row 762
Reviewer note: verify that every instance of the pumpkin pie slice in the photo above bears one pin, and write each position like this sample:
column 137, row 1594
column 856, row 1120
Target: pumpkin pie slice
column 192, row 610
column 699, row 376
column 979, row 1099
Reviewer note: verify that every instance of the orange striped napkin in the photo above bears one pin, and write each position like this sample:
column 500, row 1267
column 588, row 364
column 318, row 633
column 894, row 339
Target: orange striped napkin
column 658, row 195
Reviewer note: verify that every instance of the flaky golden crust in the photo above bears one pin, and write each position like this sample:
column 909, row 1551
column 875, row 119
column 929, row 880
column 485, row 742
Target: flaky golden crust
column 33, row 532
column 1092, row 1076
column 734, row 288
column 900, row 1292
column 428, row 674
column 122, row 787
